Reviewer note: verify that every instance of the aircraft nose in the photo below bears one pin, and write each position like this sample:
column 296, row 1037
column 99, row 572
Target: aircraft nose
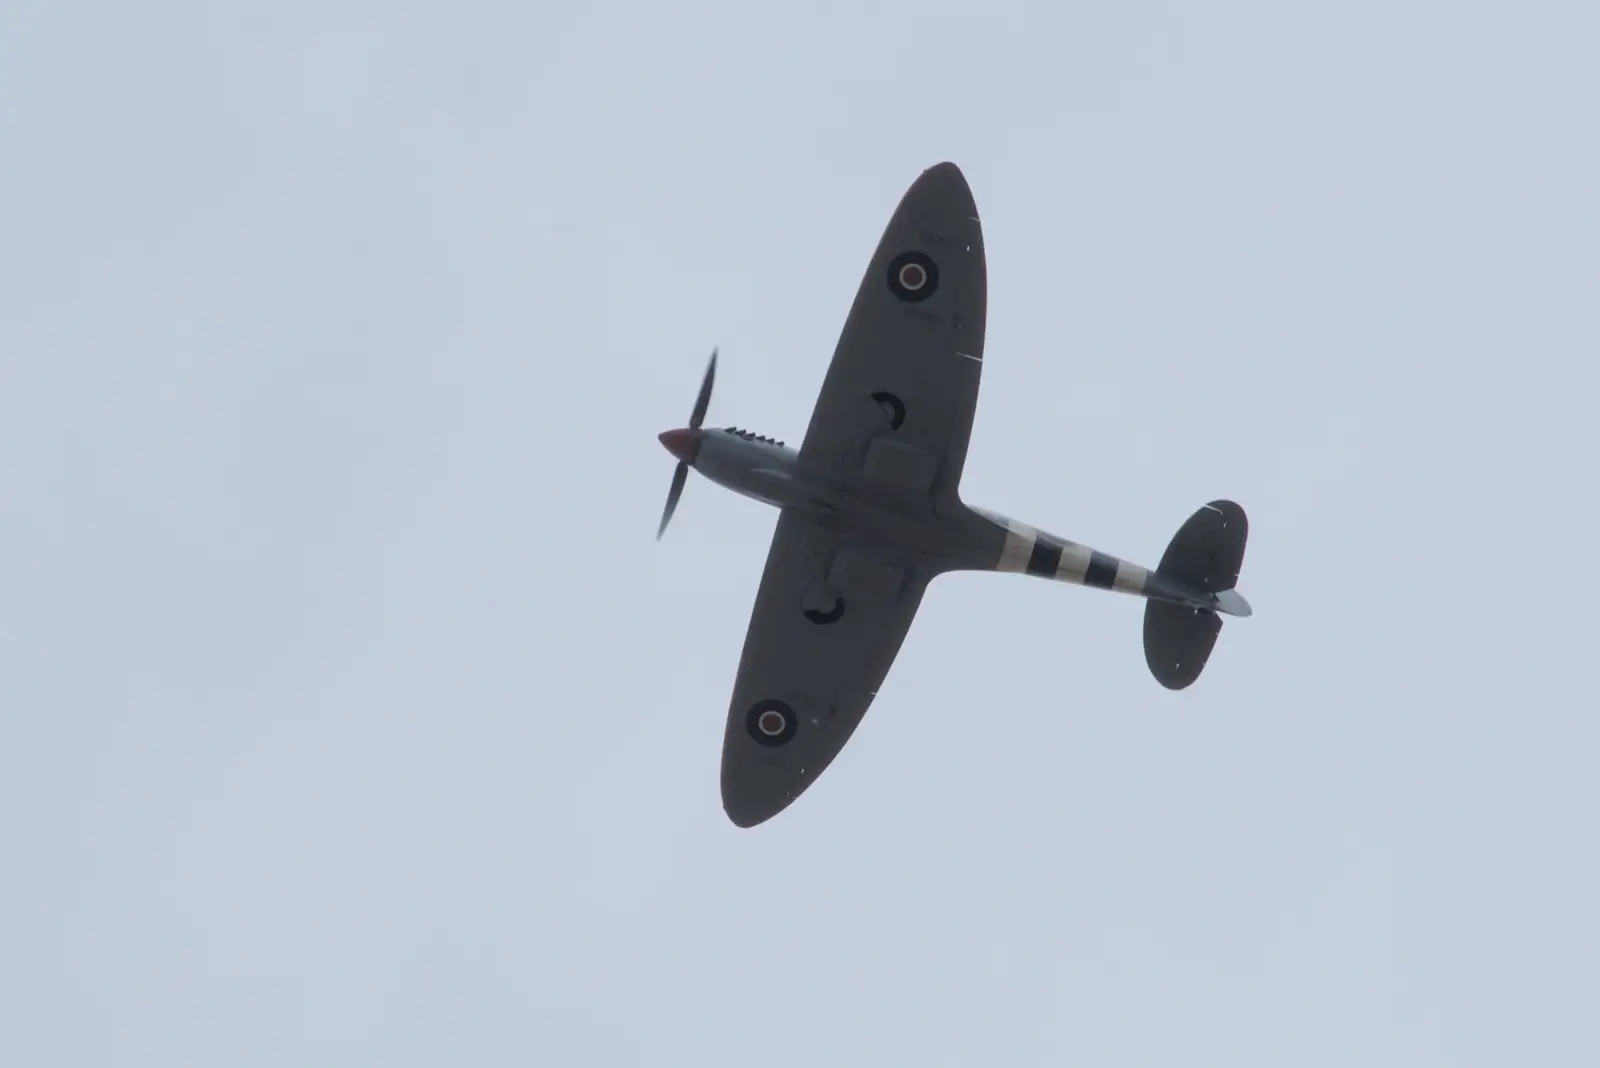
column 684, row 444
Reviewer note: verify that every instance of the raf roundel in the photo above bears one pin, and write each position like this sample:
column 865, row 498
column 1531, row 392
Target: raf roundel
column 913, row 276
column 771, row 723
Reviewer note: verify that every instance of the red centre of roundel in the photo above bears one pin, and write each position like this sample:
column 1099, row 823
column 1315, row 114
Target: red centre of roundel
column 772, row 722
column 912, row 276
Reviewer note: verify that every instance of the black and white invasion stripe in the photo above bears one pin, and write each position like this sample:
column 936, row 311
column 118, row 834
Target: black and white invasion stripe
column 1035, row 552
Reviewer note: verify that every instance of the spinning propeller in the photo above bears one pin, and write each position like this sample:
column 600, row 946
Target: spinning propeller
column 685, row 443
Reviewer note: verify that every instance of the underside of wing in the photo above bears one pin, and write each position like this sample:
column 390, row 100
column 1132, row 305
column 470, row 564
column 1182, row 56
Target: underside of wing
column 828, row 622
column 895, row 411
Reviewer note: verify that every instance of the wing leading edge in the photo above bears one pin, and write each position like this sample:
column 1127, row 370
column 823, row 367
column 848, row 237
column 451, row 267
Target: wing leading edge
column 828, row 622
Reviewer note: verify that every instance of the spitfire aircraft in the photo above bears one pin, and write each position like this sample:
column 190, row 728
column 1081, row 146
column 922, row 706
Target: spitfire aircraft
column 869, row 513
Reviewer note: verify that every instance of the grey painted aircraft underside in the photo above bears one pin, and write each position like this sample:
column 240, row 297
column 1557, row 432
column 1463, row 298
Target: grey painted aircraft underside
column 869, row 513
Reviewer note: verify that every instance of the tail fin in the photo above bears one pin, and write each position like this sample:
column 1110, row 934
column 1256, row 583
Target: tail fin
column 1203, row 557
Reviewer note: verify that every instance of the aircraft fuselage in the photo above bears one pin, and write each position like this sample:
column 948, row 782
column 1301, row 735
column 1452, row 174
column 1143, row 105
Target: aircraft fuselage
column 955, row 537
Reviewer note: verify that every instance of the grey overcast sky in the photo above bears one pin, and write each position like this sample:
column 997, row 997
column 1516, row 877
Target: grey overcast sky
column 351, row 715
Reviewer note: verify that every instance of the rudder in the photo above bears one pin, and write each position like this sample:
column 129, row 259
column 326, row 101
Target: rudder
column 1205, row 556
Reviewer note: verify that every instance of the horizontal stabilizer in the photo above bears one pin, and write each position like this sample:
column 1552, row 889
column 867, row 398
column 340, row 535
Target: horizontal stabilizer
column 1178, row 642
column 1208, row 550
column 1203, row 560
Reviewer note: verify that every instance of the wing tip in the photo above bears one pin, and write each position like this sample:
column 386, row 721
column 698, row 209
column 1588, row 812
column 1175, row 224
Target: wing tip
column 945, row 183
column 747, row 808
column 746, row 817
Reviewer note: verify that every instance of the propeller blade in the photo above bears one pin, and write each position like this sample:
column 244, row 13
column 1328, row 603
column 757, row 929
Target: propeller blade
column 681, row 474
column 704, row 400
column 679, row 477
